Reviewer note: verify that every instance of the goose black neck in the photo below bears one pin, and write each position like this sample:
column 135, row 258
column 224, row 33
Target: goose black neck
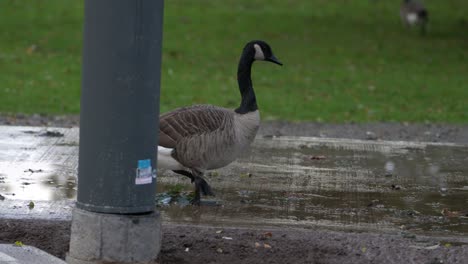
column 249, row 102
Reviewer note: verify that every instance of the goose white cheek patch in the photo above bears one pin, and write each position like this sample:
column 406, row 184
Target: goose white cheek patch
column 259, row 52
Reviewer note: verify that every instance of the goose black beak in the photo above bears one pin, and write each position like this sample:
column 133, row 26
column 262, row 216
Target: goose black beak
column 274, row 60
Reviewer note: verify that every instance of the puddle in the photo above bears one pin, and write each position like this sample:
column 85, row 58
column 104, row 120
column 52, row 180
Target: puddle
column 36, row 181
column 339, row 185
column 307, row 182
column 38, row 164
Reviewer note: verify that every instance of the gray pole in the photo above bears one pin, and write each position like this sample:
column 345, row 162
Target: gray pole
column 119, row 105
column 114, row 219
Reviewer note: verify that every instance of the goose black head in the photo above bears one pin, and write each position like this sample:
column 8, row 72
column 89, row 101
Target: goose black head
column 262, row 51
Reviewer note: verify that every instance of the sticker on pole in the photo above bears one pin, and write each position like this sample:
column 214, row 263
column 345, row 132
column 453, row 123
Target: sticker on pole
column 144, row 172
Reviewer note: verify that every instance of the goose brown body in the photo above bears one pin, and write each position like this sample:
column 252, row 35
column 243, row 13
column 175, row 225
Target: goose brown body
column 206, row 137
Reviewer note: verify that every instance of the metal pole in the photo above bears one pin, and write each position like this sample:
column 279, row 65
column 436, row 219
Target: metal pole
column 114, row 220
column 120, row 105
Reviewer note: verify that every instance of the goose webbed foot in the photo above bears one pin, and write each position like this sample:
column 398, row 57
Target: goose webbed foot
column 201, row 186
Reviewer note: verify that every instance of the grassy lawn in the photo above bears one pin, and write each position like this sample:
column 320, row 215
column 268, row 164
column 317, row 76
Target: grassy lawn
column 343, row 60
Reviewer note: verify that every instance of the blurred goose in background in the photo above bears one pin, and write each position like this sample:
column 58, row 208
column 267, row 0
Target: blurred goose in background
column 205, row 137
column 413, row 12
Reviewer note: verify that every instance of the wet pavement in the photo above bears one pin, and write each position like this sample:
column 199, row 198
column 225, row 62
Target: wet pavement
column 405, row 187
column 38, row 163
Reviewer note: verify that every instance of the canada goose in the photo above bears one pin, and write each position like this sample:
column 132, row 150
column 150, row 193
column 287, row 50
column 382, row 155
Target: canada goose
column 205, row 137
column 413, row 12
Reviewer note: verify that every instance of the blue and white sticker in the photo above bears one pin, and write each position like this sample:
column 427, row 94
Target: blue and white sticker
column 144, row 172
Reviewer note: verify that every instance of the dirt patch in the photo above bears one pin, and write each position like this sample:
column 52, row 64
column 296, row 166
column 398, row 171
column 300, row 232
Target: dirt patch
column 204, row 245
column 369, row 131
column 50, row 236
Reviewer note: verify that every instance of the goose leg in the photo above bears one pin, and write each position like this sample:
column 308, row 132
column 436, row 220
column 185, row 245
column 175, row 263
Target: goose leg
column 185, row 173
column 203, row 186
column 200, row 185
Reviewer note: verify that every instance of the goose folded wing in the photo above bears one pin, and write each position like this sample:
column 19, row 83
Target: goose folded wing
column 189, row 121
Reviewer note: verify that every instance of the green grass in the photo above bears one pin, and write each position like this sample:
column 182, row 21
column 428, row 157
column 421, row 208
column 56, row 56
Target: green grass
column 343, row 60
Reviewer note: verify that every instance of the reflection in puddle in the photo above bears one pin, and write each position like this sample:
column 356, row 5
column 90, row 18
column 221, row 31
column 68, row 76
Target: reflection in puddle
column 36, row 181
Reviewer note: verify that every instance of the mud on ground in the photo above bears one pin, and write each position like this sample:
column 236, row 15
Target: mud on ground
column 205, row 245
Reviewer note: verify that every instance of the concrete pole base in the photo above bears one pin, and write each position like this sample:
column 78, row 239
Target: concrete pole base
column 111, row 238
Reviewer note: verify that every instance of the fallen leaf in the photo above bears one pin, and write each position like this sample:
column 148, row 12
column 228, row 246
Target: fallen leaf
column 363, row 249
column 214, row 174
column 31, row 205
column 408, row 235
column 51, row 134
column 428, row 247
column 19, row 244
column 30, row 50
column 33, row 171
column 257, row 245
column 268, row 234
column 266, row 245
column 246, row 175
column 319, row 157
column 446, row 212
column 432, row 247
column 219, row 231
